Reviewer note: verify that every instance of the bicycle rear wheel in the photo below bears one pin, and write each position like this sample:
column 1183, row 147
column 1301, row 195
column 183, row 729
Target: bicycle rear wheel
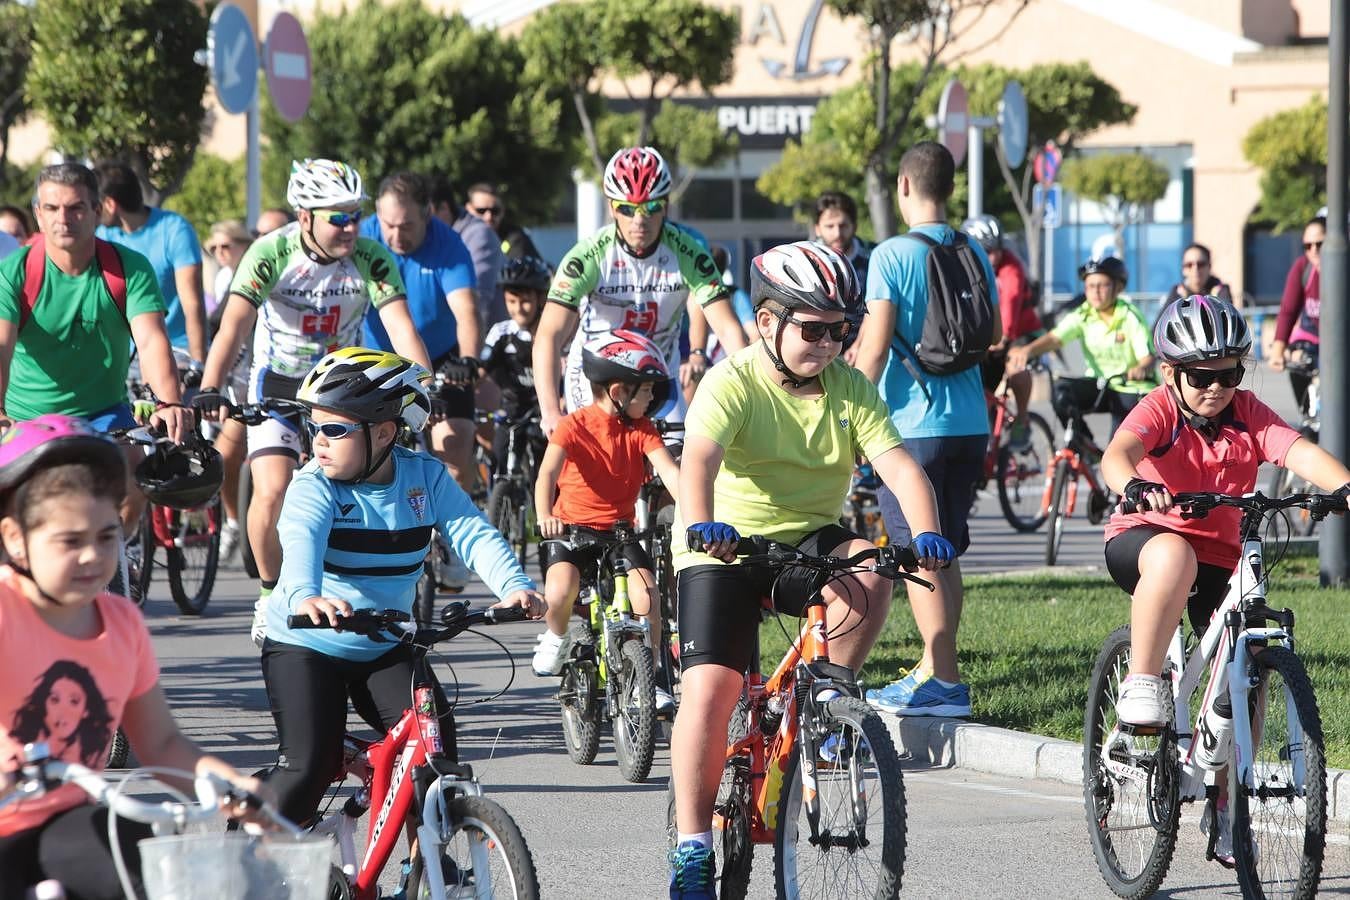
column 859, row 845
column 245, row 498
column 635, row 724
column 1133, row 807
column 1021, row 476
column 1280, row 823
column 1056, row 513
column 482, row 854
column 192, row 565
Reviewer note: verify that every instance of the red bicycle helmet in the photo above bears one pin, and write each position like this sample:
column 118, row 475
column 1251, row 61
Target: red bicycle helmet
column 637, row 174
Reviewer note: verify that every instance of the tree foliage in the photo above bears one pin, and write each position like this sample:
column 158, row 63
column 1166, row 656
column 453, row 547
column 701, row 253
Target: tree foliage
column 214, row 189
column 1124, row 185
column 1291, row 149
column 399, row 86
column 16, row 50
column 116, row 79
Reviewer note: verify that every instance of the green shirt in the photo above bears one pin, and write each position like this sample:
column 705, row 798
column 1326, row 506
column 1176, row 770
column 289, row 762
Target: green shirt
column 72, row 354
column 788, row 460
column 1110, row 347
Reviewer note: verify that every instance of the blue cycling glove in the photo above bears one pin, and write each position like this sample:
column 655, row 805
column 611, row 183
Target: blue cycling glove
column 930, row 543
column 701, row 533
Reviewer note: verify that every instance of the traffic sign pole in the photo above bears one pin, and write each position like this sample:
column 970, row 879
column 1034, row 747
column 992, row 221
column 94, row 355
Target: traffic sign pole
column 253, row 159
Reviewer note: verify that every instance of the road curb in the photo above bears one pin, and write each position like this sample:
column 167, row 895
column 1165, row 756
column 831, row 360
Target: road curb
column 958, row 744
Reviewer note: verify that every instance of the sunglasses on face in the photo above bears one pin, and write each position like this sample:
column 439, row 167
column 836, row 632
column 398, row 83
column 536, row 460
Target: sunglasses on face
column 1203, row 378
column 339, row 219
column 648, row 207
column 332, row 430
column 812, row 332
column 1312, row 245
column 487, row 210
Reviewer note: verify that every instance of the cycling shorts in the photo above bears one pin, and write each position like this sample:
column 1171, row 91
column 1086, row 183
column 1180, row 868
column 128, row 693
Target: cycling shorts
column 454, row 401
column 721, row 606
column 280, row 434
column 1211, row 582
column 585, row 558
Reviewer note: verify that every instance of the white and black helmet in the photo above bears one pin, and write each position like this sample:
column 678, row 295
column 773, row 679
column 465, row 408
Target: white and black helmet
column 1199, row 328
column 985, row 231
column 323, row 184
column 370, row 386
column 806, row 275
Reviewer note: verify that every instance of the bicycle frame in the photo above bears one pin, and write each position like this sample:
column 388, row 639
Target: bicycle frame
column 170, row 525
column 1074, row 452
column 613, row 618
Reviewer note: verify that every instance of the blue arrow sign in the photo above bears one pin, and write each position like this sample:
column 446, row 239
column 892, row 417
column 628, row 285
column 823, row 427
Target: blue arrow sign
column 234, row 58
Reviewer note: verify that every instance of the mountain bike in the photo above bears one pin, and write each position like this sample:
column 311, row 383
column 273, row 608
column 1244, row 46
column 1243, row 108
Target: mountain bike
column 655, row 513
column 1077, row 457
column 609, row 675
column 862, row 512
column 818, row 779
column 1302, row 360
column 409, row 780
column 1019, row 473
column 510, row 504
column 1135, row 779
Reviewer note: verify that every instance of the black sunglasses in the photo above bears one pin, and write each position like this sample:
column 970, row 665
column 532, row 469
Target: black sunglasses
column 1203, row 378
column 331, row 430
column 815, row 331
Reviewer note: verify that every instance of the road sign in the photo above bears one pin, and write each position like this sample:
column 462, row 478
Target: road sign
column 1013, row 124
column 1052, row 200
column 288, row 71
column 953, row 120
column 1046, row 165
column 234, row 58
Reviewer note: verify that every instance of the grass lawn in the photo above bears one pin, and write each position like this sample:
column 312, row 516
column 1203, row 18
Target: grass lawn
column 1028, row 642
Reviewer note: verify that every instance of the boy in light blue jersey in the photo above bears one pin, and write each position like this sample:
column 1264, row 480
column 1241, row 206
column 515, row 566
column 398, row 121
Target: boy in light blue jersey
column 356, row 525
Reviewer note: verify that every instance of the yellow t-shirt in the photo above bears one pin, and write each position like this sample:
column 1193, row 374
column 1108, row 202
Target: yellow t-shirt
column 788, row 459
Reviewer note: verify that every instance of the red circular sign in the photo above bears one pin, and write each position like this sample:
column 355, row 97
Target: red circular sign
column 288, row 70
column 953, row 119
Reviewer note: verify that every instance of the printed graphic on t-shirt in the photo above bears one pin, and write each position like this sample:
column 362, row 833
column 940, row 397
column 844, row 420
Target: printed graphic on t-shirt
column 68, row 712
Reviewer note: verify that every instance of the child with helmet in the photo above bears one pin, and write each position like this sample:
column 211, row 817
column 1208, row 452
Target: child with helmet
column 356, row 525
column 507, row 358
column 76, row 662
column 591, row 474
column 1198, row 432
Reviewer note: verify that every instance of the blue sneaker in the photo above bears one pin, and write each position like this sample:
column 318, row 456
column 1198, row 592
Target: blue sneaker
column 919, row 694
column 692, row 868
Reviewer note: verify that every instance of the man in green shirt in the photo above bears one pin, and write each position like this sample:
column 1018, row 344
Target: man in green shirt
column 70, row 353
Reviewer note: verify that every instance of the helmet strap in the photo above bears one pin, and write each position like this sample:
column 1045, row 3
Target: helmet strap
column 1206, row 426
column 790, row 378
column 311, row 246
column 634, row 251
column 372, row 465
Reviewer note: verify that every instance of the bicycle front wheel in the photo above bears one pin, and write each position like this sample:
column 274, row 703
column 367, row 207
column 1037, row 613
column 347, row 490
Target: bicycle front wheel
column 1056, row 513
column 1130, row 784
column 482, row 855
column 635, row 724
column 1280, row 822
column 193, row 563
column 857, row 845
column 578, row 696
column 1021, row 476
column 507, row 513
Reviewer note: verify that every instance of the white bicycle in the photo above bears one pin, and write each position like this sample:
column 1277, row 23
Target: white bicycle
column 1135, row 779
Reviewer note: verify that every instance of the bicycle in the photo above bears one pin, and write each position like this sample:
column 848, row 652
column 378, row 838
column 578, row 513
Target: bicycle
column 408, row 778
column 862, row 512
column 806, row 774
column 1077, row 457
column 1020, row 473
column 256, row 414
column 1302, row 360
column 655, row 513
column 1135, row 779
column 609, row 675
column 510, row 504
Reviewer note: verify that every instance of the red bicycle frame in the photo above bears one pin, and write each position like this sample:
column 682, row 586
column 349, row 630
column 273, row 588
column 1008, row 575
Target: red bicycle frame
column 1078, row 469
column 166, row 525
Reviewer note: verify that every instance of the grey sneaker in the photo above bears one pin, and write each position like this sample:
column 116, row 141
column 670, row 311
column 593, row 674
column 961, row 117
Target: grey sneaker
column 229, row 541
column 258, row 631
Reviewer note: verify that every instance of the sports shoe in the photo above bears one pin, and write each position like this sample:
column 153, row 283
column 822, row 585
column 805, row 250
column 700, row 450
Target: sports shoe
column 920, row 694
column 1019, row 437
column 1223, row 842
column 1141, row 702
column 692, row 872
column 664, row 702
column 550, row 652
column 258, row 631
column 229, row 540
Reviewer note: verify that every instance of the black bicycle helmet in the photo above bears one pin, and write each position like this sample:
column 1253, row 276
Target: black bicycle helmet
column 1107, row 265
column 181, row 477
column 529, row 272
column 805, row 275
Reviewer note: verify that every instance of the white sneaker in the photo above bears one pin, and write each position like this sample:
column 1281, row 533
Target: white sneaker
column 456, row 577
column 550, row 652
column 229, row 541
column 664, row 702
column 1223, row 843
column 1140, row 701
column 258, row 631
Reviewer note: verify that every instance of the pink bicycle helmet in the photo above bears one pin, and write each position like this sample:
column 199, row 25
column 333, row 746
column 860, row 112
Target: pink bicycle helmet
column 53, row 440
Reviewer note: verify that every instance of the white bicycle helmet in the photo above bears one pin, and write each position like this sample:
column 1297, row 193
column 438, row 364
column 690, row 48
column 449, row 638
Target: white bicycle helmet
column 370, row 386
column 1199, row 328
column 806, row 274
column 985, row 231
column 323, row 184
column 636, row 175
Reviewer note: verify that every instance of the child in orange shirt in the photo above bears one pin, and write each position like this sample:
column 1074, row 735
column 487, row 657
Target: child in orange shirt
column 594, row 461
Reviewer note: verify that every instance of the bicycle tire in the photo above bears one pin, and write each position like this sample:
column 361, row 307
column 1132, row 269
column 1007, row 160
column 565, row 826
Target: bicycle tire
column 338, row 886
column 192, row 567
column 1055, row 513
column 424, row 600
column 483, row 824
column 140, row 580
column 1269, row 808
column 245, row 498
column 580, row 704
column 1130, row 870
column 503, row 511
column 635, row 724
column 866, row 759
column 119, row 752
column 1021, row 477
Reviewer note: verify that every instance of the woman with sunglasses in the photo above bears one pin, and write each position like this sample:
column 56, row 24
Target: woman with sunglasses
column 1301, row 309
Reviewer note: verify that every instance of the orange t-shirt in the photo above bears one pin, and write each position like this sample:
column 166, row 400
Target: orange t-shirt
column 67, row 692
column 604, row 468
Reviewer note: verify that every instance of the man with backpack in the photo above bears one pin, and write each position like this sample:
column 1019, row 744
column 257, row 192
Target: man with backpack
column 932, row 316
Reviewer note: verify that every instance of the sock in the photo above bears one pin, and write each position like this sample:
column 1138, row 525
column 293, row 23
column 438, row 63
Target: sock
column 947, row 684
column 704, row 838
column 232, row 523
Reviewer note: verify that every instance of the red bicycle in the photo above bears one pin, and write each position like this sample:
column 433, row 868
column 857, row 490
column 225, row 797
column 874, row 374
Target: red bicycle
column 1019, row 469
column 1078, row 458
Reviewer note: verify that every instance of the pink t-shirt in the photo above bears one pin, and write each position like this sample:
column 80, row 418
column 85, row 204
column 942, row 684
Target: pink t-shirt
column 67, row 692
column 1183, row 460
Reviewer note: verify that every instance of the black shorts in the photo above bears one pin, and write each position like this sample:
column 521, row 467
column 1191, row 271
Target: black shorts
column 1211, row 582
column 453, row 401
column 585, row 558
column 954, row 466
column 721, row 606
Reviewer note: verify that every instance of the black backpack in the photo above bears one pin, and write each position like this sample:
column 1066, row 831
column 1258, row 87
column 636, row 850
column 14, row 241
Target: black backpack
column 959, row 325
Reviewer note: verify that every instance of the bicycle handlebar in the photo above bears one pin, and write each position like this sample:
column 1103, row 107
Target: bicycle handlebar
column 580, row 536
column 260, row 412
column 455, row 619
column 1197, row 505
column 892, row 561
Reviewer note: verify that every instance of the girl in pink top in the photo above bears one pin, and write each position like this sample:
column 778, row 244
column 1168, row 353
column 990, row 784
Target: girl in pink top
column 75, row 661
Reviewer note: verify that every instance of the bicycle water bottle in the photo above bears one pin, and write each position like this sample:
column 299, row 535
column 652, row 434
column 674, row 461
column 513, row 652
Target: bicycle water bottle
column 1215, row 739
column 428, row 725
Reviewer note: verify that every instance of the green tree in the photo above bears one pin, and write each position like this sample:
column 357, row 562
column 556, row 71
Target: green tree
column 652, row 49
column 689, row 138
column 1124, row 185
column 16, row 49
column 214, row 189
column 401, row 87
column 1291, row 149
column 116, row 79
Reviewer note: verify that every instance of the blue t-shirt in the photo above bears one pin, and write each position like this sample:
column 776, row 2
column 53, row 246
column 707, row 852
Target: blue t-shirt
column 954, row 406
column 168, row 241
column 365, row 543
column 441, row 265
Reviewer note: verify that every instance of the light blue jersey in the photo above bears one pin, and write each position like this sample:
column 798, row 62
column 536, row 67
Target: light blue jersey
column 954, row 406
column 365, row 543
column 168, row 241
